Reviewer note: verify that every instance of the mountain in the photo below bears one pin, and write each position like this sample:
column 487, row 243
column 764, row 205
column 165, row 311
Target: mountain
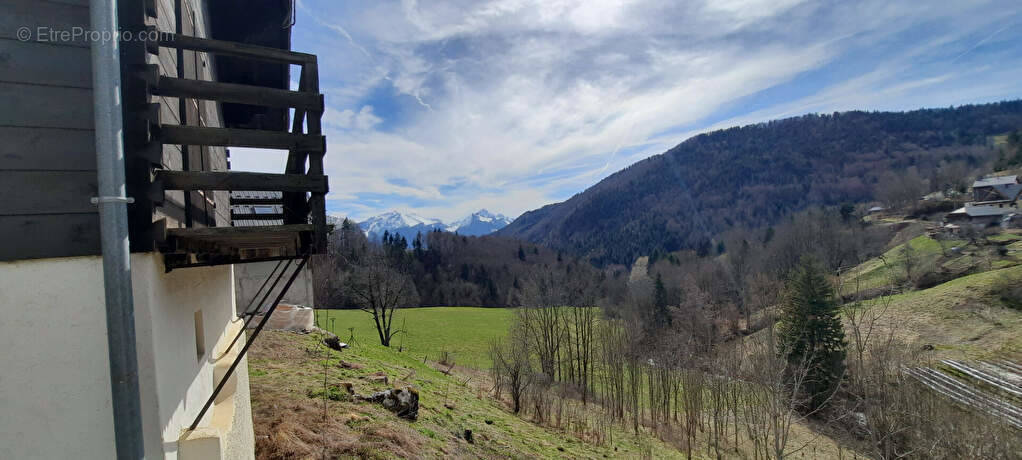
column 409, row 224
column 753, row 176
column 479, row 223
column 404, row 224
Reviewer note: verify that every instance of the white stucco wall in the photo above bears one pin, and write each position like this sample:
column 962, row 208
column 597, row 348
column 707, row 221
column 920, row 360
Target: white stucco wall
column 54, row 369
column 55, row 387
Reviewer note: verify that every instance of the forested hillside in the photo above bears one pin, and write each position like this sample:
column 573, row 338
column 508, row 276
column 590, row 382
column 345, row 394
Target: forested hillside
column 456, row 270
column 752, row 176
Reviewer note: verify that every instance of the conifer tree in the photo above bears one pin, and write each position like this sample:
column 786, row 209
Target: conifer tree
column 811, row 336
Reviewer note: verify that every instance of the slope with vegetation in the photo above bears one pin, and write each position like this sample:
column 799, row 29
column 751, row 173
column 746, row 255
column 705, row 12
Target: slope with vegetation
column 296, row 419
column 756, row 175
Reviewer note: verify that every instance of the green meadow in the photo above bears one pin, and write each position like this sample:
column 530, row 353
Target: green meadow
column 464, row 332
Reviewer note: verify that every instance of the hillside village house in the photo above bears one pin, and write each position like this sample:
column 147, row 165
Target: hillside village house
column 107, row 354
column 996, row 203
column 999, row 188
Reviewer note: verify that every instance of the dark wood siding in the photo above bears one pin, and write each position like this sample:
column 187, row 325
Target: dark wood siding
column 47, row 157
column 47, row 153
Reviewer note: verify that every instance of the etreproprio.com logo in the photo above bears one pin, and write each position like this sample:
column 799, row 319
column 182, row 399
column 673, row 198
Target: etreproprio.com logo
column 45, row 34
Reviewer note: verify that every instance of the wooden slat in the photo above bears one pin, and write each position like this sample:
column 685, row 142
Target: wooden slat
column 239, row 232
column 240, row 94
column 232, row 137
column 204, row 180
column 45, row 64
column 47, row 149
column 46, row 192
column 257, row 201
column 33, row 14
column 45, row 106
column 317, row 201
column 52, row 235
column 251, row 216
column 226, row 48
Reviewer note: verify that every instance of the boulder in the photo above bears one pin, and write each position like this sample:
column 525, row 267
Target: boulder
column 404, row 402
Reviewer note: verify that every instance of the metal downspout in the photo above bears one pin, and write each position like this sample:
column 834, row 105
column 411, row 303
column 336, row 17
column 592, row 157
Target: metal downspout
column 113, row 221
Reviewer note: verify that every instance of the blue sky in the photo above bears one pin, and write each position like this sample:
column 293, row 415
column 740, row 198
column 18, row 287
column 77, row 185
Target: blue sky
column 445, row 107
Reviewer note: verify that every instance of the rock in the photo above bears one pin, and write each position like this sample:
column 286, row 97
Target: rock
column 348, row 365
column 404, row 402
column 468, row 437
column 489, row 422
column 449, row 406
column 928, row 347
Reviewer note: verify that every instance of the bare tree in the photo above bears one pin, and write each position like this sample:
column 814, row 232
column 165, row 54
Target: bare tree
column 512, row 366
column 902, row 189
column 542, row 318
column 379, row 289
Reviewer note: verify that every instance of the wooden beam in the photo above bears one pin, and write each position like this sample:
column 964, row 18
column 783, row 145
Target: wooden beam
column 251, row 216
column 257, row 201
column 227, row 48
column 231, row 137
column 204, row 180
column 239, row 94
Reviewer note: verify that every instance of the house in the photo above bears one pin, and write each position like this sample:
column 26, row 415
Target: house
column 120, row 327
column 996, row 188
column 983, row 214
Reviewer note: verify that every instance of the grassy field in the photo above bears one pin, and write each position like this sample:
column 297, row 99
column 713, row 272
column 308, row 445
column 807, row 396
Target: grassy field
column 929, row 255
column 464, row 332
column 963, row 318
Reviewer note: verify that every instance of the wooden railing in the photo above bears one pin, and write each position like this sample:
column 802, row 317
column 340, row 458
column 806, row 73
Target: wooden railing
column 303, row 182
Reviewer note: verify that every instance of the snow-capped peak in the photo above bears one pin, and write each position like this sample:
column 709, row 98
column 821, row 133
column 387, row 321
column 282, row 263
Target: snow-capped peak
column 480, row 223
column 408, row 224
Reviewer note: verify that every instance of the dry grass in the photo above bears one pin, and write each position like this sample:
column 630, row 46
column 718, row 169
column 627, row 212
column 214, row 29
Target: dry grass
column 285, row 368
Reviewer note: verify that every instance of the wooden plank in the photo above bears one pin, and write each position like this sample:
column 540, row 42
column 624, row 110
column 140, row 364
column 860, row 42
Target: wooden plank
column 252, row 216
column 35, row 15
column 84, row 3
column 45, row 106
column 257, row 201
column 235, row 232
column 44, row 64
column 240, row 94
column 226, row 48
column 317, row 201
column 46, row 192
column 47, row 149
column 205, row 180
column 52, row 235
column 296, row 205
column 233, row 137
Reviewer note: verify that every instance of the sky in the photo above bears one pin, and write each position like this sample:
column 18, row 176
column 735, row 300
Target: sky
column 442, row 108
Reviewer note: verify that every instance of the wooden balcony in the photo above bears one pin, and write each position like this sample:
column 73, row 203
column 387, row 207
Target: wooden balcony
column 302, row 184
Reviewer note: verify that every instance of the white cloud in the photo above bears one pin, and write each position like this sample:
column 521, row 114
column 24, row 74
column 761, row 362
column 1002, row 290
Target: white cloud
column 512, row 104
column 362, row 120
